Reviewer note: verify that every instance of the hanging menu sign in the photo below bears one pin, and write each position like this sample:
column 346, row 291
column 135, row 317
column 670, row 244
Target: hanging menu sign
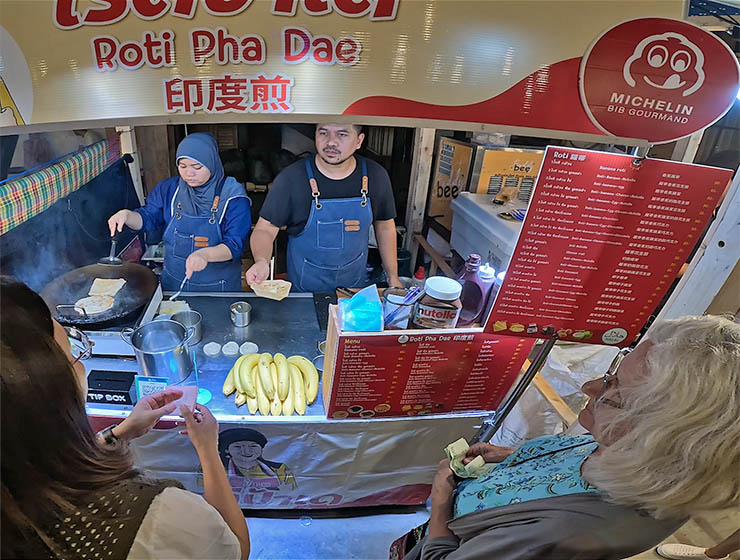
column 417, row 374
column 604, row 237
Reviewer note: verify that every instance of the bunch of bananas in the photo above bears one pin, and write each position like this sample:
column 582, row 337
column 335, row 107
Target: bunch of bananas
column 273, row 384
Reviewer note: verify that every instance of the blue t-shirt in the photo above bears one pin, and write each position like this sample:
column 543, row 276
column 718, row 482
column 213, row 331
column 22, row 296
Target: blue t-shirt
column 234, row 217
column 541, row 468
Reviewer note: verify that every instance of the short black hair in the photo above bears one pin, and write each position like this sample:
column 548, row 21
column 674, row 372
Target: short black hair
column 358, row 127
column 227, row 437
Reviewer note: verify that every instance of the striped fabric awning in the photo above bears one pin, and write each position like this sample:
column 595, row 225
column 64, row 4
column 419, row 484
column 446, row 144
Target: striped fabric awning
column 24, row 197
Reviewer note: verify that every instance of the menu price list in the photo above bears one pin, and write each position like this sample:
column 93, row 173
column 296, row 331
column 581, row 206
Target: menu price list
column 603, row 240
column 418, row 374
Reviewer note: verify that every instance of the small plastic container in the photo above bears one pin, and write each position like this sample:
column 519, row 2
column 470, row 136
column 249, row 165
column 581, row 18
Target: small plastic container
column 394, row 307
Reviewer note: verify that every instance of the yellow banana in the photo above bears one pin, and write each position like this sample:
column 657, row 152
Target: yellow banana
column 252, row 405
column 245, row 374
column 229, row 386
column 298, row 389
column 289, row 402
column 235, row 369
column 310, row 376
column 254, row 374
column 263, row 403
column 283, row 375
column 276, row 407
column 240, row 399
column 264, row 374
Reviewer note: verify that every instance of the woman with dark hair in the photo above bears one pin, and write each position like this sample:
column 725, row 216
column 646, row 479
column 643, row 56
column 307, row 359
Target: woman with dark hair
column 241, row 454
column 69, row 493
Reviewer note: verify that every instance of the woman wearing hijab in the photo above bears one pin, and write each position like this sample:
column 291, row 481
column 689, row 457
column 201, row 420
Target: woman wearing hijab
column 206, row 218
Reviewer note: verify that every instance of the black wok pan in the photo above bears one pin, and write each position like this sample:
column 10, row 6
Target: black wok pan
column 62, row 293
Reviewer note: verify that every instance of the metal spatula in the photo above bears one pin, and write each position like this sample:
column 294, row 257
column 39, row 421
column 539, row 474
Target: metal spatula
column 111, row 258
column 178, row 292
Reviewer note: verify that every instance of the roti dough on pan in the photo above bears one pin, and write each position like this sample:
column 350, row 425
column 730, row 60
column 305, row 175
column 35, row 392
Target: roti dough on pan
column 94, row 305
column 106, row 286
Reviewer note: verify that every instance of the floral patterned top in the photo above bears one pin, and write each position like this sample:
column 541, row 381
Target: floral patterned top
column 541, row 468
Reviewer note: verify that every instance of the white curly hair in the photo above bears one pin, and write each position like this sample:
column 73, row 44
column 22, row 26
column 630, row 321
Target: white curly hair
column 681, row 453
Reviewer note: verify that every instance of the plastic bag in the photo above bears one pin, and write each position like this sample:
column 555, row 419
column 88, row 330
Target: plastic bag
column 362, row 312
column 568, row 366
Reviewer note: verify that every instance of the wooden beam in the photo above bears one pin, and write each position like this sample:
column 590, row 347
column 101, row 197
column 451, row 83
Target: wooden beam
column 421, row 170
column 128, row 146
column 686, row 148
column 437, row 259
column 153, row 144
column 713, row 261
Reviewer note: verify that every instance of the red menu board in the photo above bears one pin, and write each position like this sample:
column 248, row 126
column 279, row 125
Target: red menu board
column 398, row 374
column 605, row 235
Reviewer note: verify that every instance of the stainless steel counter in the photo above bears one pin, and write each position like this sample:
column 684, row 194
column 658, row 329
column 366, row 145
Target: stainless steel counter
column 289, row 326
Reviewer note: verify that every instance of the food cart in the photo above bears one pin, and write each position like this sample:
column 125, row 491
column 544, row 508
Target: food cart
column 389, row 401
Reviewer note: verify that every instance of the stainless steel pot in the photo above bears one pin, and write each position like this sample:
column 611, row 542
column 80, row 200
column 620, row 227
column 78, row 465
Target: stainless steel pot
column 190, row 318
column 161, row 349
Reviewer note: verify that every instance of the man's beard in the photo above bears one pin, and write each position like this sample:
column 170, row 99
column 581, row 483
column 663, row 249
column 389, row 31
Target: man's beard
column 332, row 163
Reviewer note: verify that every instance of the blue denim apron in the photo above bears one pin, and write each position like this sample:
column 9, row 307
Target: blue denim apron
column 332, row 249
column 186, row 234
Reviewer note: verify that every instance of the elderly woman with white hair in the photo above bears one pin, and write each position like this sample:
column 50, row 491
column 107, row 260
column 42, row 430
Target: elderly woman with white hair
column 663, row 445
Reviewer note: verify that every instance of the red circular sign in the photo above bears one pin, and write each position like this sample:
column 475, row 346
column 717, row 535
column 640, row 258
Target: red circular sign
column 657, row 79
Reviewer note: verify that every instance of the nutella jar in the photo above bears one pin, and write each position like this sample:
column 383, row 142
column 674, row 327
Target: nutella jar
column 440, row 306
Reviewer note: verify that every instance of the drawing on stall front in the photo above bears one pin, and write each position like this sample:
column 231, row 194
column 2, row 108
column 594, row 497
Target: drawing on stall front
column 241, row 453
column 16, row 93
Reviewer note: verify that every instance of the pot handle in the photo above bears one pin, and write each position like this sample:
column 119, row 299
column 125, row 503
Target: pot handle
column 190, row 334
column 78, row 310
column 126, row 334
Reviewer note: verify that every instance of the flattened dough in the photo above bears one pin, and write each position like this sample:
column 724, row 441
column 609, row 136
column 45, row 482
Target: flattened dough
column 95, row 305
column 171, row 307
column 106, row 286
column 212, row 349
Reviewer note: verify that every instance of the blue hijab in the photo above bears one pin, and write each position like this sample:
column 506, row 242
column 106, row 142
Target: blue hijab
column 200, row 147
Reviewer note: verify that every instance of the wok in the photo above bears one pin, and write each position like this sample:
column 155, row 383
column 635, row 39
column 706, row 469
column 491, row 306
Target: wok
column 62, row 293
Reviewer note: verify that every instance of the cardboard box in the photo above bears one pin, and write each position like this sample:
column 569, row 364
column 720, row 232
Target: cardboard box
column 451, row 172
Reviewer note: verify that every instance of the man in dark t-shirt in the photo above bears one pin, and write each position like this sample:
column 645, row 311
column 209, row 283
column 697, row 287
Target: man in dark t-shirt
column 327, row 203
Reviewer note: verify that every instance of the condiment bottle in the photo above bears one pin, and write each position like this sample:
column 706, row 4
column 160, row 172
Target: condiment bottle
column 475, row 290
column 488, row 275
column 419, row 277
column 492, row 294
column 440, row 306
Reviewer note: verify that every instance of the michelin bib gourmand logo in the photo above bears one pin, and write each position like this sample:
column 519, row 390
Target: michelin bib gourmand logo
column 657, row 79
column 667, row 61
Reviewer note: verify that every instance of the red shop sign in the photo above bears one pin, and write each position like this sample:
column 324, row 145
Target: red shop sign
column 657, row 79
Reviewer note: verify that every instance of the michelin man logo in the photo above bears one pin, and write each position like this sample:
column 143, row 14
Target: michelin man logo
column 667, row 61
